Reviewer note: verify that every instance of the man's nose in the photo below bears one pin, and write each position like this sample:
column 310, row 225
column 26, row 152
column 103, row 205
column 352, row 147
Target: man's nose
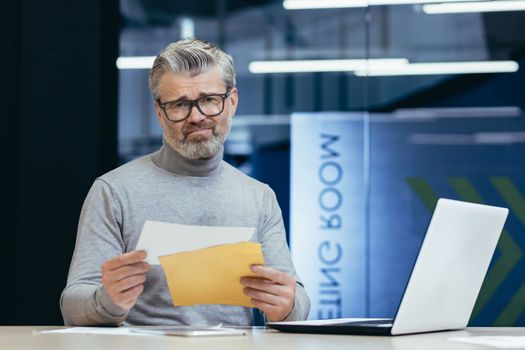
column 195, row 115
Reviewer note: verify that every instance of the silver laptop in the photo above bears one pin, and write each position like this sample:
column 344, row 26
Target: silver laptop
column 445, row 280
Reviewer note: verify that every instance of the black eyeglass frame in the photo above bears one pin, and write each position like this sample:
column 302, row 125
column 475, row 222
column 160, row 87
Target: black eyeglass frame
column 194, row 103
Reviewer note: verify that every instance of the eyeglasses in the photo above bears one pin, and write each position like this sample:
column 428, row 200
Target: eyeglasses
column 208, row 105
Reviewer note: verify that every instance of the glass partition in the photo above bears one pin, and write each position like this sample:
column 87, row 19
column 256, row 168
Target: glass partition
column 359, row 117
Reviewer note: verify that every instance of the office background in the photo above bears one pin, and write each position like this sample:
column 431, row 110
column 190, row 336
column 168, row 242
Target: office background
column 70, row 115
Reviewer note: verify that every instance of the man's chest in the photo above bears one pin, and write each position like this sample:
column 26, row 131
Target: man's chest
column 202, row 206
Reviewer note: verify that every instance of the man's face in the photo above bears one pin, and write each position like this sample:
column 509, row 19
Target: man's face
column 197, row 136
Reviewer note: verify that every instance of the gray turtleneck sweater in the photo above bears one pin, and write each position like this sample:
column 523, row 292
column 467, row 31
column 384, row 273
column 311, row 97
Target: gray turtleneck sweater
column 164, row 186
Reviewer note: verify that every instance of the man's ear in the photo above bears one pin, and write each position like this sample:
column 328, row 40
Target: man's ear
column 234, row 101
column 158, row 111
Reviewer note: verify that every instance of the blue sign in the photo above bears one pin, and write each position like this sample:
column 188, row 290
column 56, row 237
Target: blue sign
column 326, row 227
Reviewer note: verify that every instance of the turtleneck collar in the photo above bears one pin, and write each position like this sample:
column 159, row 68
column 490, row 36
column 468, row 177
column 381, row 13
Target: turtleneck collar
column 170, row 160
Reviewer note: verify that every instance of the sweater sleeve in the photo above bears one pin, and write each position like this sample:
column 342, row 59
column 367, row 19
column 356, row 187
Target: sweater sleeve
column 84, row 300
column 277, row 255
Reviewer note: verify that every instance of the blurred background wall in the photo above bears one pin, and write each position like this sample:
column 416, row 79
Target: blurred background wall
column 442, row 117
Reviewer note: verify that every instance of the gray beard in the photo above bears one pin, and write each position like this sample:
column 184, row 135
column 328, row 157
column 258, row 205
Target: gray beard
column 203, row 149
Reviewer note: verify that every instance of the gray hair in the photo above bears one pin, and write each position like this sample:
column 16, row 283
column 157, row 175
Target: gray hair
column 192, row 56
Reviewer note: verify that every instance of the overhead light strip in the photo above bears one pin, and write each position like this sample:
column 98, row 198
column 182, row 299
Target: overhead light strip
column 443, row 68
column 478, row 138
column 137, row 62
column 331, row 4
column 360, row 67
column 382, row 67
column 302, row 66
column 481, row 6
column 414, row 114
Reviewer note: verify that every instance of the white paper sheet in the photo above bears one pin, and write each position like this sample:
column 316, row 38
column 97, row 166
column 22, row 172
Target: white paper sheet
column 162, row 238
column 188, row 331
column 497, row 341
column 91, row 330
column 185, row 331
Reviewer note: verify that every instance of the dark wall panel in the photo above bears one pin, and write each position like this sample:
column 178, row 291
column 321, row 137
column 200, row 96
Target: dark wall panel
column 65, row 136
column 9, row 174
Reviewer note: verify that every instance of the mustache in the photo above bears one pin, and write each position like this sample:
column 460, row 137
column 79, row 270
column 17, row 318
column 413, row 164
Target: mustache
column 204, row 124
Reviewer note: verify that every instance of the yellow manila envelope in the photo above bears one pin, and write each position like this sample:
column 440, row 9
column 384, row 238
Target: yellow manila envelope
column 211, row 275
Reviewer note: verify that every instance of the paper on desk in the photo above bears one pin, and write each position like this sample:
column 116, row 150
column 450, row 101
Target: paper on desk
column 188, row 331
column 497, row 341
column 92, row 330
column 162, row 238
column 211, row 275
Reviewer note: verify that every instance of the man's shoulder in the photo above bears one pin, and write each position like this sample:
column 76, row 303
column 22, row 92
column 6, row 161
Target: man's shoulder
column 243, row 179
column 129, row 172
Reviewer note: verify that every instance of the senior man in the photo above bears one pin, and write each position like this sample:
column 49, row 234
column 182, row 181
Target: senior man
column 185, row 182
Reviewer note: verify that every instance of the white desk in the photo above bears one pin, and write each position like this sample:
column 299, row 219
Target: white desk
column 23, row 338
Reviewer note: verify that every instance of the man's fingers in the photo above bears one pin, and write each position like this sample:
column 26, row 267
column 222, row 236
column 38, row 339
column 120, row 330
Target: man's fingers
column 130, row 296
column 123, row 277
column 263, row 306
column 263, row 296
column 126, row 271
column 264, row 285
column 129, row 283
column 271, row 290
column 124, row 259
column 273, row 274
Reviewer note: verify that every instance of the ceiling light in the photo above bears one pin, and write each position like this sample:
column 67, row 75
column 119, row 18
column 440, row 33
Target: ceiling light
column 138, row 62
column 431, row 68
column 431, row 113
column 327, row 4
column 481, row 6
column 302, row 66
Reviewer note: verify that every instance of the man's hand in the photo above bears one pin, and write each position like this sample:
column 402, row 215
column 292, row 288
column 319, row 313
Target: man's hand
column 123, row 277
column 273, row 292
